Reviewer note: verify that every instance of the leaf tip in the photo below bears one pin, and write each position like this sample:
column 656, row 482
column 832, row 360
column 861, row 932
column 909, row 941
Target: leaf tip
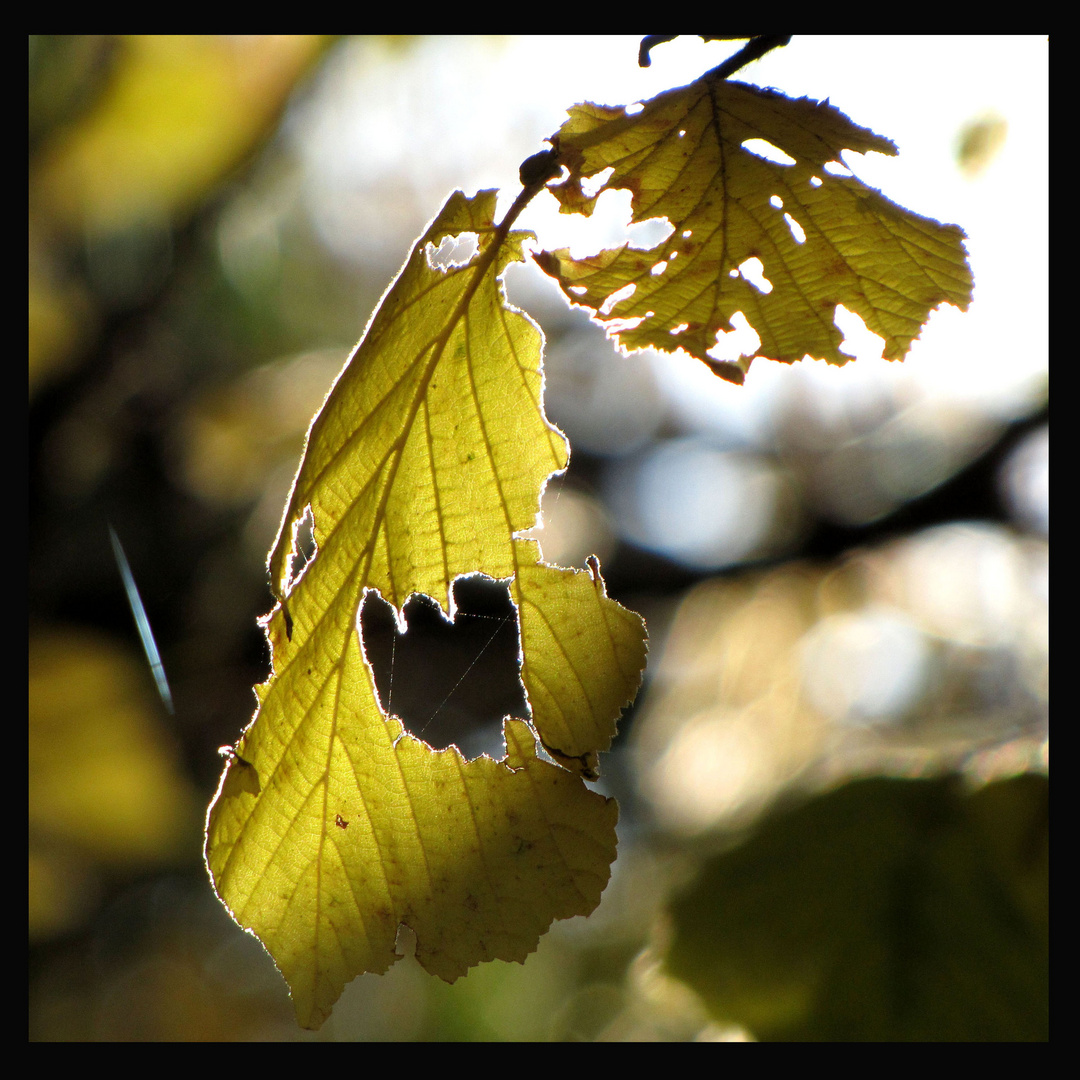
column 728, row 370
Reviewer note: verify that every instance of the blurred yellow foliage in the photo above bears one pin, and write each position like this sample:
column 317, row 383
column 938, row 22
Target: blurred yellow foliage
column 105, row 788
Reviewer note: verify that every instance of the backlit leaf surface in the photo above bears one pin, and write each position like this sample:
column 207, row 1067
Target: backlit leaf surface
column 584, row 655
column 332, row 826
column 683, row 158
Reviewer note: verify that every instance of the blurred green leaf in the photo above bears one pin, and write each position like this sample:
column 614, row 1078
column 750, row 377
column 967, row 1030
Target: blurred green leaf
column 884, row 910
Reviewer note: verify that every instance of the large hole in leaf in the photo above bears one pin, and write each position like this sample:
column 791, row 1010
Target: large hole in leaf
column 449, row 682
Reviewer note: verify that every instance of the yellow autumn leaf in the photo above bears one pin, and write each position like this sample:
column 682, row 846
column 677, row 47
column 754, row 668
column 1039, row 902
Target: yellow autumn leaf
column 432, row 448
column 332, row 827
column 821, row 239
column 583, row 658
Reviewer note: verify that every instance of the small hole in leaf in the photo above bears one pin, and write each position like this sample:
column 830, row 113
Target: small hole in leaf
column 741, row 340
column 776, row 202
column 634, row 109
column 621, row 326
column 649, row 234
column 658, row 269
column 591, row 185
column 453, row 251
column 449, row 682
column 797, row 230
column 837, row 168
column 620, row 294
column 815, row 181
column 859, row 340
column 764, row 149
column 303, row 546
column 405, row 943
column 752, row 270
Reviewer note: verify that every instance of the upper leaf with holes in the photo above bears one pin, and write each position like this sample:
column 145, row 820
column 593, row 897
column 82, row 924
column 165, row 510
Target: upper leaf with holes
column 332, row 826
column 821, row 239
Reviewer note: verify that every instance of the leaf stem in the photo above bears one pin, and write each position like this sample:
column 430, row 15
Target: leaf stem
column 754, row 49
column 526, row 195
